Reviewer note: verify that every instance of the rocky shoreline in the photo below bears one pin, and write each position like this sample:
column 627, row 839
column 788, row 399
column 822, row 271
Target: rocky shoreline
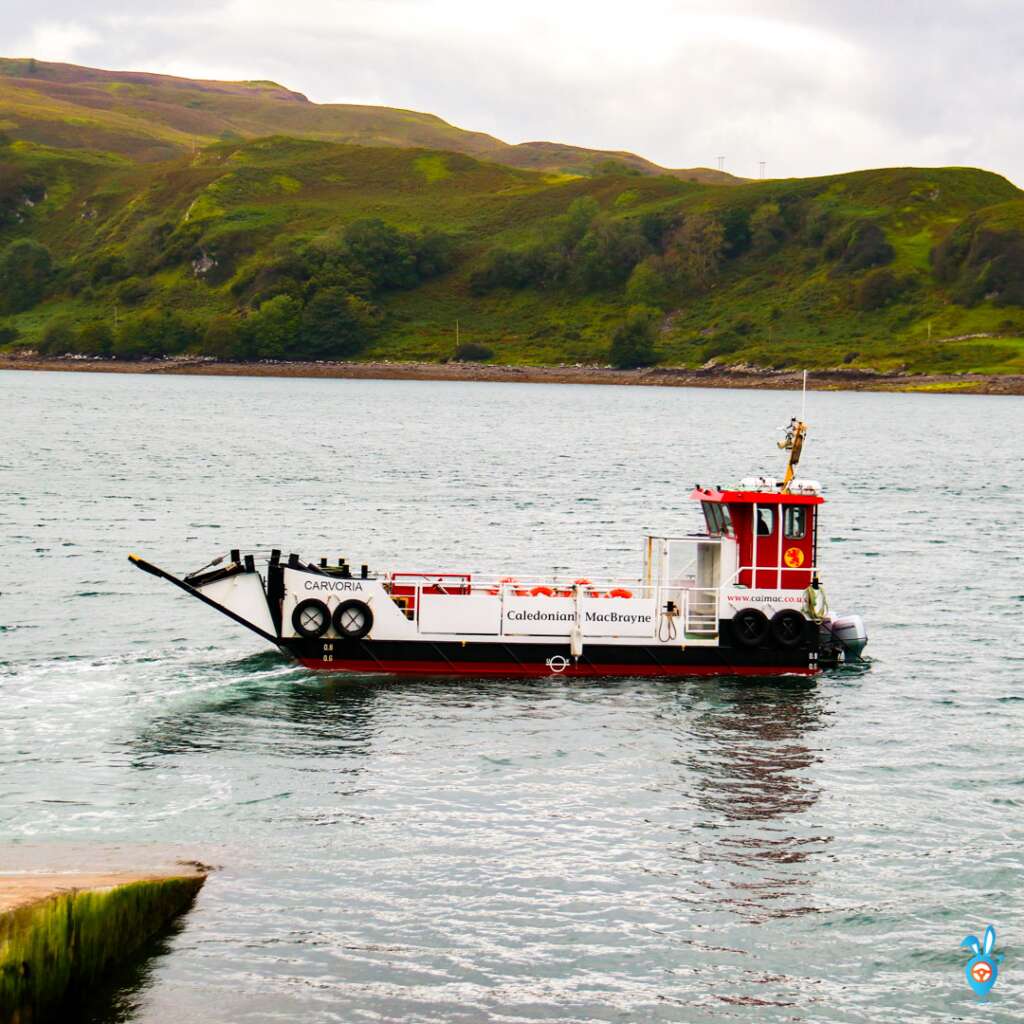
column 835, row 379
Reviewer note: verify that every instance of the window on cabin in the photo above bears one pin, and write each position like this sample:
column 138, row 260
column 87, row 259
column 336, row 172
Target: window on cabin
column 713, row 516
column 726, row 520
column 765, row 521
column 795, row 522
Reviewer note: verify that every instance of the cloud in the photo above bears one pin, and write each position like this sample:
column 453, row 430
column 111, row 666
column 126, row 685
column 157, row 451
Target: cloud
column 58, row 41
column 809, row 87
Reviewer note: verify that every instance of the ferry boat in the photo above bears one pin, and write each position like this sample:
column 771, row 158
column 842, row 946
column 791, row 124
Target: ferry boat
column 743, row 597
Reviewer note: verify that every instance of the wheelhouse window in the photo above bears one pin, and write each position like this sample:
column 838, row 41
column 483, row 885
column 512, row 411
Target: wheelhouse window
column 795, row 522
column 765, row 521
column 726, row 520
column 713, row 515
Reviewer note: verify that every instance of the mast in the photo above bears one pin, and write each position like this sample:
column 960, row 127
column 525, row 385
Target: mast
column 794, row 440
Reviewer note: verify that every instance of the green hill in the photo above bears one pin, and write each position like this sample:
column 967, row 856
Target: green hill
column 150, row 117
column 119, row 235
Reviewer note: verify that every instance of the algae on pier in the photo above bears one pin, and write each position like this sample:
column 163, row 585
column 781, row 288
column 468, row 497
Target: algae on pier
column 60, row 934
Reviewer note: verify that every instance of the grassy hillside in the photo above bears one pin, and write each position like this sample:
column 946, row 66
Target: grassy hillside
column 287, row 247
column 157, row 117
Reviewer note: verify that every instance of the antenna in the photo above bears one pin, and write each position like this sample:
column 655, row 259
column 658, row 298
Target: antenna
column 721, row 162
column 761, row 163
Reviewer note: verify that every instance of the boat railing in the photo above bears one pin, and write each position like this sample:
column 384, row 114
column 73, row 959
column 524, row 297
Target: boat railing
column 668, row 610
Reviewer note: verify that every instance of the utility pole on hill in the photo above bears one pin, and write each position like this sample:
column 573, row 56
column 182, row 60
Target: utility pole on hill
column 762, row 163
column 721, row 162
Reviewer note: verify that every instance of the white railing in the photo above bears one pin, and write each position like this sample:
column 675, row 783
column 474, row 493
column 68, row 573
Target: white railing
column 694, row 609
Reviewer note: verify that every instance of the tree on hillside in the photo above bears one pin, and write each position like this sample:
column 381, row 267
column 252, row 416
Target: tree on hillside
column 223, row 339
column 859, row 246
column 336, row 324
column 26, row 269
column 273, row 331
column 695, row 251
column 95, row 339
column 767, row 228
column 383, row 253
column 58, row 339
column 607, row 253
column 435, row 254
column 578, row 218
column 633, row 343
column 648, row 285
column 152, row 334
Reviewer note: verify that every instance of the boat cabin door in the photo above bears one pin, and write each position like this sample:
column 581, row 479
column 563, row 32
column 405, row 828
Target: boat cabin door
column 683, row 563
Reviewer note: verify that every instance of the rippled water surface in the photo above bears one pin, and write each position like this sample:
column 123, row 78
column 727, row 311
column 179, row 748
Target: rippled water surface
column 430, row 851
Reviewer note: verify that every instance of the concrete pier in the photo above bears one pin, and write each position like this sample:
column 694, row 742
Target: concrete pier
column 61, row 932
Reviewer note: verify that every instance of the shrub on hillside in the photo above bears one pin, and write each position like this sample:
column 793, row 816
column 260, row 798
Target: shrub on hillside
column 223, row 339
column 648, row 285
column 878, row 289
column 272, row 332
column 767, row 228
column 383, row 252
column 860, row 246
column 95, row 339
column 8, row 334
column 633, row 343
column 607, row 254
column 512, row 268
column 435, row 254
column 393, row 259
column 982, row 263
column 724, row 344
column 695, row 252
column 472, row 352
column 133, row 290
column 336, row 325
column 736, row 232
column 656, row 226
column 58, row 338
column 109, row 267
column 577, row 219
column 26, row 269
column 152, row 334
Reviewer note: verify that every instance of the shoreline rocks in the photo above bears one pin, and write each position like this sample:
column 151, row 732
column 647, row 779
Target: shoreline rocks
column 745, row 376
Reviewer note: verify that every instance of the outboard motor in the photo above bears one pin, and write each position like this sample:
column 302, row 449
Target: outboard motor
column 851, row 632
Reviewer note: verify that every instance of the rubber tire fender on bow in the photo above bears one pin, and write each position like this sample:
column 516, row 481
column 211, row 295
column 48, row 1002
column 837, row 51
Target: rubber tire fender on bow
column 750, row 627
column 788, row 627
column 300, row 626
column 345, row 631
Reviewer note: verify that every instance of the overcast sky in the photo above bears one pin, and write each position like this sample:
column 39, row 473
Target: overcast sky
column 809, row 87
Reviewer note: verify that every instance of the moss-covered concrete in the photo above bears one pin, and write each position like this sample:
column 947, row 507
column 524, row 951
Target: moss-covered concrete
column 59, row 935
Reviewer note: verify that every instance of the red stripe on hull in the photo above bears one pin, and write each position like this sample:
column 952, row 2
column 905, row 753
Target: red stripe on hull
column 494, row 669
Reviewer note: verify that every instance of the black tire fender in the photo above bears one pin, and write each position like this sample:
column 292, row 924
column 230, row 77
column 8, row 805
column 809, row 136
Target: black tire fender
column 750, row 627
column 789, row 627
column 302, row 622
column 353, row 620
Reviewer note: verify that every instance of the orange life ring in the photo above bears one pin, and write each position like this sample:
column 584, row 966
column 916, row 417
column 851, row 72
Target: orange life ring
column 542, row 592
column 511, row 581
column 620, row 592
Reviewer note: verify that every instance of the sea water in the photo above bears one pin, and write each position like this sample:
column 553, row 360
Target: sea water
column 560, row 850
